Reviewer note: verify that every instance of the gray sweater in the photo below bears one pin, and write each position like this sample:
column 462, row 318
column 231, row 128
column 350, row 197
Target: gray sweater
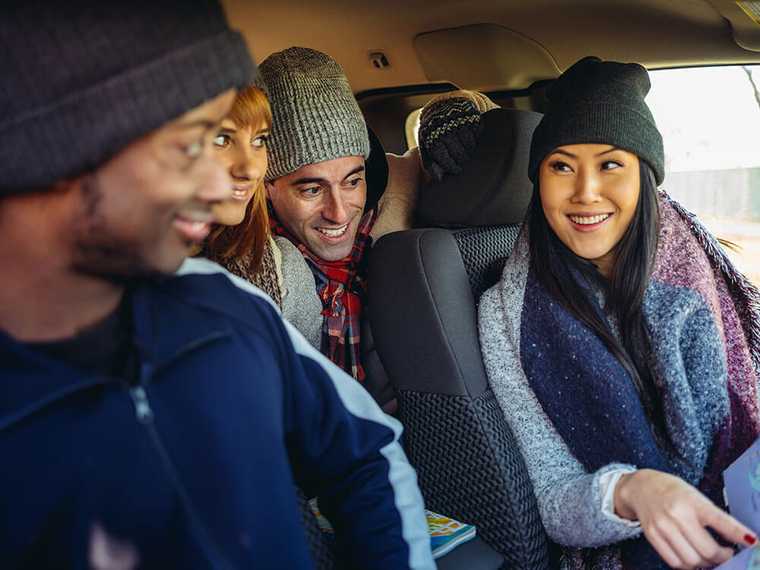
column 569, row 498
column 300, row 304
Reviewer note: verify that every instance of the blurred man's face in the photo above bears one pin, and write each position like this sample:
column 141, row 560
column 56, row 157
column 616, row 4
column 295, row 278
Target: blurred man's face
column 142, row 212
column 321, row 204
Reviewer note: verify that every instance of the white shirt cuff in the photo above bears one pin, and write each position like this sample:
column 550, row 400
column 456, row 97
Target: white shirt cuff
column 607, row 483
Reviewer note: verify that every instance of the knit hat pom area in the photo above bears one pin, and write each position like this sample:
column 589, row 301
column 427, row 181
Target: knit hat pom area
column 600, row 102
column 449, row 126
column 82, row 79
column 315, row 116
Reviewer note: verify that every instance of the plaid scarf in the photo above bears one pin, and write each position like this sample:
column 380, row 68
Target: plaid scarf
column 342, row 287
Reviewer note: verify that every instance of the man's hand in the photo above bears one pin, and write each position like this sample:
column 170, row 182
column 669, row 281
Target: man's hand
column 673, row 516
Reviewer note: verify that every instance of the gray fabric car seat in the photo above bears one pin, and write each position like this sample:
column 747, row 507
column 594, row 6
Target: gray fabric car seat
column 319, row 543
column 424, row 288
column 474, row 555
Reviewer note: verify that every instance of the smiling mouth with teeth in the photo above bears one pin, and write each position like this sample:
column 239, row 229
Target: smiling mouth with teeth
column 193, row 226
column 333, row 232
column 589, row 220
column 240, row 194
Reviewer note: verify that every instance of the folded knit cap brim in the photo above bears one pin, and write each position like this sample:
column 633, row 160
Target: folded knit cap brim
column 600, row 102
column 83, row 79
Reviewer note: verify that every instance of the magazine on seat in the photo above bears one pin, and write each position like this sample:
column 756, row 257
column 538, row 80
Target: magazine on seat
column 445, row 533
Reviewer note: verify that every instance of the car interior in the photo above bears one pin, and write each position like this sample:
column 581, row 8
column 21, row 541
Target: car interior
column 426, row 281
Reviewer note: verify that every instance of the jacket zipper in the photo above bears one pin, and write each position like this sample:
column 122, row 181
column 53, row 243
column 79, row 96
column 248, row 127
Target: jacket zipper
column 142, row 406
column 144, row 414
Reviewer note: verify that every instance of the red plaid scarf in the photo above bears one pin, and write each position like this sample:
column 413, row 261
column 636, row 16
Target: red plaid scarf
column 342, row 287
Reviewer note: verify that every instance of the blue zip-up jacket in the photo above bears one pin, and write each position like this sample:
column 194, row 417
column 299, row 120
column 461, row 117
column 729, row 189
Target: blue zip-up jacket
column 196, row 466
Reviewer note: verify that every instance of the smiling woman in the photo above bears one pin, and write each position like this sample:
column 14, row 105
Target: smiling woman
column 241, row 146
column 620, row 342
column 240, row 240
column 589, row 194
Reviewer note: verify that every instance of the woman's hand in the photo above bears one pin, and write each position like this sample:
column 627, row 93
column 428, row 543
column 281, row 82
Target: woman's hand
column 673, row 516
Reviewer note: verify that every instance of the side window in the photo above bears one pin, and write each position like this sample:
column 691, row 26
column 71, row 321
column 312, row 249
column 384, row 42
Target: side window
column 710, row 122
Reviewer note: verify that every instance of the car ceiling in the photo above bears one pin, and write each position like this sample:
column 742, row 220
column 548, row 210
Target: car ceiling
column 554, row 34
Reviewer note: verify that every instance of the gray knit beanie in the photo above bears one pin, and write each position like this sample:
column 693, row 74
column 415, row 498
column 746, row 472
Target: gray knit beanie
column 601, row 102
column 315, row 116
column 82, row 79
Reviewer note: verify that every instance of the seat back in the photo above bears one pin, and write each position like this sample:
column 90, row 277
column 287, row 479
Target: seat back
column 424, row 288
column 467, row 460
column 319, row 543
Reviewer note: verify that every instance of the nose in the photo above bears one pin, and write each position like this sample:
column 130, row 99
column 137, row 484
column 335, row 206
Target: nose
column 334, row 209
column 246, row 166
column 587, row 186
column 214, row 183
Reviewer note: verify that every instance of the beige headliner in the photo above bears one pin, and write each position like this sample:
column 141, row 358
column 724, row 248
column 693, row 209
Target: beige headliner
column 657, row 33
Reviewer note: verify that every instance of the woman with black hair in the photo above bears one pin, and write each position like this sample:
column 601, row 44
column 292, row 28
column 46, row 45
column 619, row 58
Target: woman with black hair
column 621, row 343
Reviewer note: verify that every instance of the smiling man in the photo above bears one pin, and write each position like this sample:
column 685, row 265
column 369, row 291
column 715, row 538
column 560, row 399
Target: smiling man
column 150, row 419
column 317, row 187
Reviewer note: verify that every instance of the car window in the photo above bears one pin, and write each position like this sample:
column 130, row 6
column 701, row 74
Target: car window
column 710, row 119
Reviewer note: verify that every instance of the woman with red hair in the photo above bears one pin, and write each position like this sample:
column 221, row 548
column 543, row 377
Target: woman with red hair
column 241, row 240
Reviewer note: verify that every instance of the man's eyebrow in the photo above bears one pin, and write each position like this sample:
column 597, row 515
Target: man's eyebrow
column 356, row 170
column 308, row 180
column 318, row 180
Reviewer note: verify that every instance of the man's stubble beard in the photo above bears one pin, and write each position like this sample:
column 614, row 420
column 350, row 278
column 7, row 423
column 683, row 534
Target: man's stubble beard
column 99, row 253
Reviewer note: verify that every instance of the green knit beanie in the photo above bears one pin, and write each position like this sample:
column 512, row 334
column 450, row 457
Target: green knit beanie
column 315, row 116
column 600, row 102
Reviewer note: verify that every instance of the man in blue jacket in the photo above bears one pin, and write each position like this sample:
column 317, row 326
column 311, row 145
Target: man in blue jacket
column 148, row 419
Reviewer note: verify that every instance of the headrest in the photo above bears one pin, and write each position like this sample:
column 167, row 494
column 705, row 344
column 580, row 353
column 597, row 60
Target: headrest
column 493, row 188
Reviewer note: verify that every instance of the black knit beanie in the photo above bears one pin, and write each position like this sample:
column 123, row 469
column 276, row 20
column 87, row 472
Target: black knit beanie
column 600, row 102
column 83, row 78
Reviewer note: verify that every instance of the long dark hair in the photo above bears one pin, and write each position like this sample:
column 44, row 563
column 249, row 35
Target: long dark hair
column 568, row 277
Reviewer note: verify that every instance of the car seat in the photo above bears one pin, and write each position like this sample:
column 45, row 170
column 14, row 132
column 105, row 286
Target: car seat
column 473, row 555
column 424, row 285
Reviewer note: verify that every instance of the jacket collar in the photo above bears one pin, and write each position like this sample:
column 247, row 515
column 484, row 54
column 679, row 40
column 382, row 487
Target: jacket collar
column 167, row 324
column 31, row 380
column 172, row 318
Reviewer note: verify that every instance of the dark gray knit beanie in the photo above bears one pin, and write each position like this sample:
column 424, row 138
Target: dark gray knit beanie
column 315, row 116
column 83, row 78
column 600, row 102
